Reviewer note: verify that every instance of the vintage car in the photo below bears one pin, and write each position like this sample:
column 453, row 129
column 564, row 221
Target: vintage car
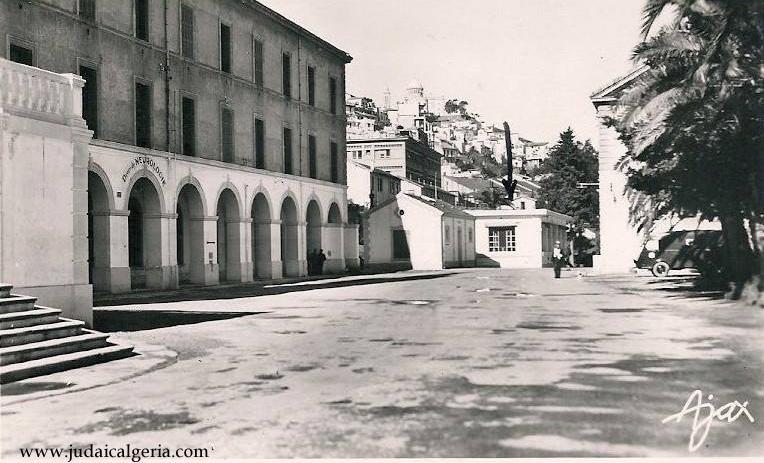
column 682, row 249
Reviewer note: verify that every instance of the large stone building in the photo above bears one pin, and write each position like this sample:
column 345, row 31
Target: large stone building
column 217, row 152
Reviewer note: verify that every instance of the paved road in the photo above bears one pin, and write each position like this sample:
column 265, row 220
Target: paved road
column 482, row 363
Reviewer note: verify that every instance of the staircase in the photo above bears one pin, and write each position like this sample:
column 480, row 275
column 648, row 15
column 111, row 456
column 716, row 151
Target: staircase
column 36, row 340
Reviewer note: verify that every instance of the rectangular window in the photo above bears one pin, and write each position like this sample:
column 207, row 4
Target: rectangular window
column 335, row 175
column 287, row 150
column 501, row 239
column 142, row 115
column 258, row 57
column 188, row 119
column 379, row 184
column 187, row 31
column 225, row 48
column 226, row 120
column 21, row 55
column 311, row 86
column 87, row 9
column 286, row 75
column 333, row 95
column 141, row 10
column 259, row 143
column 90, row 98
column 312, row 167
column 400, row 245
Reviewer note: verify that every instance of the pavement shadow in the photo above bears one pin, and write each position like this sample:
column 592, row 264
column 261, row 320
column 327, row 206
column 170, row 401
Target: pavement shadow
column 140, row 320
column 201, row 293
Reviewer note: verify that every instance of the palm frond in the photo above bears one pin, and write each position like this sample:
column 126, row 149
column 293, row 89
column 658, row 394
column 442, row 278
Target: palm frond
column 650, row 13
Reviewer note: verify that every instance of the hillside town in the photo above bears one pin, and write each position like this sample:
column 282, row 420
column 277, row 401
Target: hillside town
column 229, row 230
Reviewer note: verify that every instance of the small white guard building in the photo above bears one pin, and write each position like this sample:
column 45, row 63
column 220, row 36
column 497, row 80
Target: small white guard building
column 517, row 238
column 409, row 231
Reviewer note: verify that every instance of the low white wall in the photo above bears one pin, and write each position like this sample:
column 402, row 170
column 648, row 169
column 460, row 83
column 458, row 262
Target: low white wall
column 527, row 239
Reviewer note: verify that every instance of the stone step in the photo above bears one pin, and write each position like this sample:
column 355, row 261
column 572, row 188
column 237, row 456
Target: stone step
column 16, row 303
column 28, row 334
column 51, row 347
column 5, row 290
column 38, row 316
column 48, row 365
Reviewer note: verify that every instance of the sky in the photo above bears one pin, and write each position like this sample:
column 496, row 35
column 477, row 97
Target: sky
column 533, row 63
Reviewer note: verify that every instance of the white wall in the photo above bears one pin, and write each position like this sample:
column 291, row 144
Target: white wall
column 422, row 223
column 450, row 246
column 527, row 239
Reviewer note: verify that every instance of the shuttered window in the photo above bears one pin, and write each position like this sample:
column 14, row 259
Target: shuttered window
column 335, row 175
column 259, row 143
column 258, row 56
column 87, row 9
column 286, row 74
column 333, row 95
column 225, row 48
column 311, row 86
column 90, row 98
column 287, row 150
column 188, row 118
column 142, row 115
column 226, row 120
column 141, row 10
column 187, row 31
column 312, row 167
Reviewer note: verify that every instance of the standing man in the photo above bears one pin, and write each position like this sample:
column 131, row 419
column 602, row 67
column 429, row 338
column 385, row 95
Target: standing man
column 320, row 259
column 557, row 259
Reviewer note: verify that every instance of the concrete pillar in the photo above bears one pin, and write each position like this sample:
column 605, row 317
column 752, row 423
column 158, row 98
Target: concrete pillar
column 332, row 241
column 350, row 245
column 111, row 270
column 245, row 250
column 205, row 269
column 160, row 258
column 276, row 266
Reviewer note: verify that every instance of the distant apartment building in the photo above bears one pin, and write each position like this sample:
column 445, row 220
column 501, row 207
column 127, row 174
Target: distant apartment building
column 401, row 156
column 218, row 138
column 364, row 118
column 368, row 187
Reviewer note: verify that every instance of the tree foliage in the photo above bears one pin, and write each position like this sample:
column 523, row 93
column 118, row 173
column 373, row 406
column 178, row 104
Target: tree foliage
column 693, row 122
column 569, row 164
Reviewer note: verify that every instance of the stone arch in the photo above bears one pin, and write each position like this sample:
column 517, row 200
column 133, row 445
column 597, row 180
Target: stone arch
column 144, row 203
column 145, row 174
column 290, row 223
column 100, row 205
column 335, row 215
column 191, row 215
column 312, row 198
column 191, row 180
column 259, row 191
column 262, row 214
column 228, row 236
column 98, row 171
column 232, row 188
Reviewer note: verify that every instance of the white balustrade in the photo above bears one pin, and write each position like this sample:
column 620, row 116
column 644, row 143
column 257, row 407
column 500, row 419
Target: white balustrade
column 34, row 91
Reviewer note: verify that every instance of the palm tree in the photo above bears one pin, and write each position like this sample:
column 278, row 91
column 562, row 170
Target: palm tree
column 692, row 122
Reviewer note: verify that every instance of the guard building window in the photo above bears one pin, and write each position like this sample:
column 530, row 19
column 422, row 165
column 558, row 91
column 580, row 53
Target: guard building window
column 334, row 163
column 258, row 57
column 87, row 9
column 287, row 150
column 312, row 168
column 141, row 10
column 90, row 98
column 226, row 119
column 379, row 183
column 225, row 48
column 259, row 143
column 501, row 239
column 142, row 115
column 286, row 74
column 187, row 31
column 188, row 119
column 21, row 54
column 333, row 95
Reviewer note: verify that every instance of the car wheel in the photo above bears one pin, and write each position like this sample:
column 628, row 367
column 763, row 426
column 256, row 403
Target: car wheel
column 660, row 269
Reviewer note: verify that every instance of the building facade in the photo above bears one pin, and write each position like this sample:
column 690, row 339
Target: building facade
column 409, row 231
column 517, row 238
column 218, row 136
column 401, row 156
